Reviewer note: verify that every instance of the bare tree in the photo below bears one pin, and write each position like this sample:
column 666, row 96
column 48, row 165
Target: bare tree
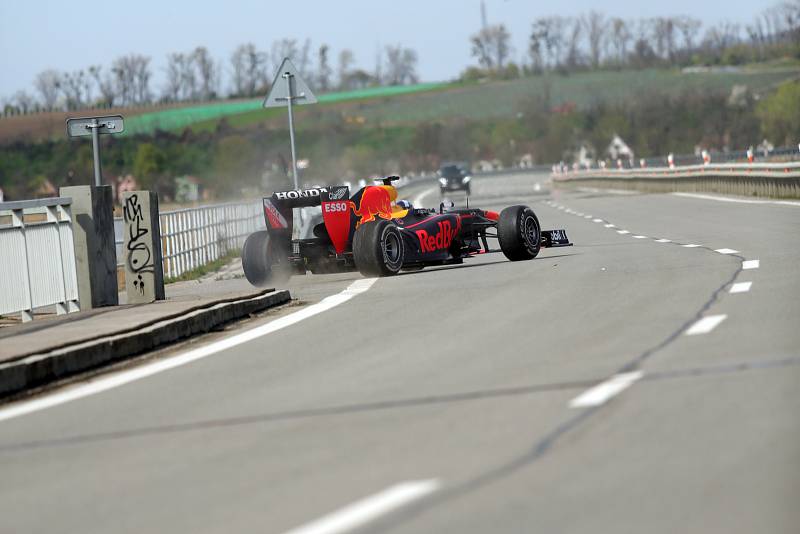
column 207, row 72
column 105, row 84
column 377, row 74
column 664, row 37
column 549, row 31
column 723, row 35
column 689, row 28
column 643, row 54
column 596, row 26
column 323, row 68
column 346, row 61
column 248, row 69
column 401, row 65
column 492, row 46
column 23, row 101
column 48, row 84
column 284, row 48
column 573, row 58
column 132, row 79
column 536, row 46
column 304, row 60
column 174, row 83
column 72, row 87
column 189, row 77
column 620, row 37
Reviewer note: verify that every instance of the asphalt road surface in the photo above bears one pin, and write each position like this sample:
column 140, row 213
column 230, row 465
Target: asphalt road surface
column 630, row 383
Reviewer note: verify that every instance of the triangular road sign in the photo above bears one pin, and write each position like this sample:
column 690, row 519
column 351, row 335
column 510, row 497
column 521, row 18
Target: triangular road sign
column 288, row 83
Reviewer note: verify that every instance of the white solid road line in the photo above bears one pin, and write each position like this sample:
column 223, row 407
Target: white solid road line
column 741, row 287
column 726, row 251
column 750, row 264
column 738, row 200
column 663, row 241
column 705, row 325
column 106, row 382
column 366, row 510
column 600, row 393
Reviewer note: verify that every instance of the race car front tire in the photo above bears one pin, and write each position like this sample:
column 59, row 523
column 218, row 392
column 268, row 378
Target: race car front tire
column 519, row 233
column 263, row 262
column 378, row 248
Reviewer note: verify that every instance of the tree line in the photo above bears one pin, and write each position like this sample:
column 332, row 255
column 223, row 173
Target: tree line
column 594, row 40
column 195, row 75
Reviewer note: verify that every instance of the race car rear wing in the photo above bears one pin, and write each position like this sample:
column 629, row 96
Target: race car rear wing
column 278, row 207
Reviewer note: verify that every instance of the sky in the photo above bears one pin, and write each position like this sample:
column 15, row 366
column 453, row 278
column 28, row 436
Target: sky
column 69, row 35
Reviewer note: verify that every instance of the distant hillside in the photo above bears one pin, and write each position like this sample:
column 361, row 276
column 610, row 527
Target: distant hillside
column 504, row 99
column 423, row 102
column 146, row 120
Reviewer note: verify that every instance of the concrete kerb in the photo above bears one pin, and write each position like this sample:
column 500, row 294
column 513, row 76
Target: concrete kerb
column 40, row 369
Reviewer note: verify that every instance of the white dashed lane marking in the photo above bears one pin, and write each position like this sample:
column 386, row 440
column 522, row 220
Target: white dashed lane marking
column 690, row 245
column 741, row 287
column 602, row 392
column 609, row 225
column 705, row 325
column 750, row 264
column 369, row 509
column 623, row 232
column 726, row 251
column 640, row 237
column 663, row 241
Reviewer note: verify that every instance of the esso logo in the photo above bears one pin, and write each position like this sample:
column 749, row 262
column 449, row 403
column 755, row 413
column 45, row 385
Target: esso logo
column 335, row 207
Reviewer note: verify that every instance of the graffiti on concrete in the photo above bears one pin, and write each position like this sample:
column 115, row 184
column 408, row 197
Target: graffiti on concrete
column 139, row 254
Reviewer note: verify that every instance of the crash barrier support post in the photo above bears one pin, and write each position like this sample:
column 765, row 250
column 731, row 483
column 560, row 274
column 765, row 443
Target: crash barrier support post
column 37, row 260
column 95, row 251
column 144, row 274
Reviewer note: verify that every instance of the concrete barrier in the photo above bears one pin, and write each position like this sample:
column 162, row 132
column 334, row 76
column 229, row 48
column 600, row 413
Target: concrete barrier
column 95, row 253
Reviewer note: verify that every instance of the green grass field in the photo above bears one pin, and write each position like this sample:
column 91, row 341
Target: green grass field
column 176, row 119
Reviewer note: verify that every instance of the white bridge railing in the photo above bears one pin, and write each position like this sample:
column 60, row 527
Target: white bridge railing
column 37, row 259
column 193, row 237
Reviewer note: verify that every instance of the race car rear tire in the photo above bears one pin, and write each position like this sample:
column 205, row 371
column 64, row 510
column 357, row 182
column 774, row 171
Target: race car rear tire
column 519, row 233
column 263, row 262
column 378, row 248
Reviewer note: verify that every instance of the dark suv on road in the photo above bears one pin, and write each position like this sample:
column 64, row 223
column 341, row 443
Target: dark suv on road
column 454, row 177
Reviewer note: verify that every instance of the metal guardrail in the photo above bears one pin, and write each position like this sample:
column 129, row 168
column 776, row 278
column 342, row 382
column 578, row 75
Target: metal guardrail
column 37, row 235
column 781, row 180
column 193, row 237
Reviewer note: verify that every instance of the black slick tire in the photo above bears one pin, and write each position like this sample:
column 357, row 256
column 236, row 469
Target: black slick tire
column 378, row 248
column 519, row 233
column 264, row 263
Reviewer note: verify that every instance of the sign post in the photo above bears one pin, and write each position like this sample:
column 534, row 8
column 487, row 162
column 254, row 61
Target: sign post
column 94, row 126
column 289, row 89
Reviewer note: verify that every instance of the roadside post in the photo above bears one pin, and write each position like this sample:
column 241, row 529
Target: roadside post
column 95, row 126
column 93, row 243
column 289, row 89
column 141, row 250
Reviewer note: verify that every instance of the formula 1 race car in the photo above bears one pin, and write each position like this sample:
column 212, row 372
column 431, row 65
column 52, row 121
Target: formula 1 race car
column 377, row 235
